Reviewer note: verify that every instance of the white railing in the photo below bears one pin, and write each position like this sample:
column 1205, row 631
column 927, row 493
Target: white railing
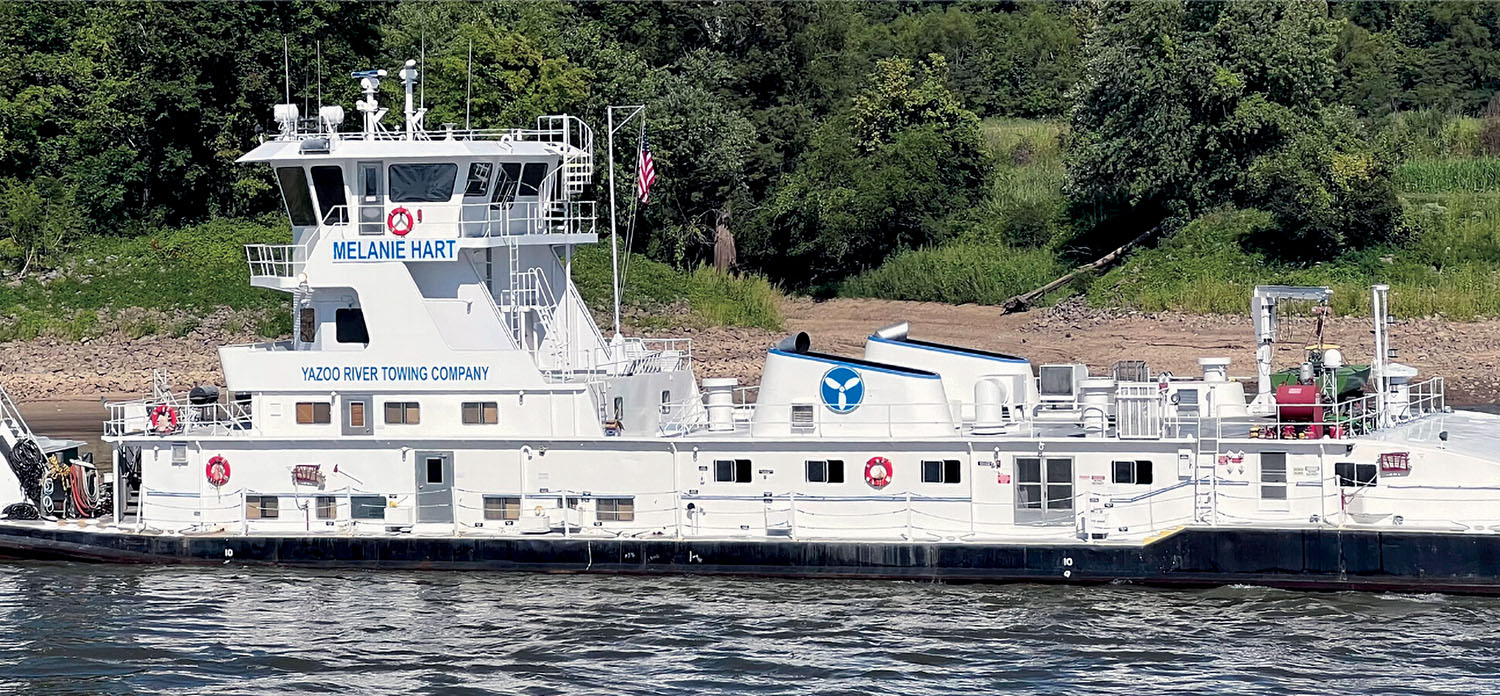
column 276, row 260
column 445, row 220
column 171, row 417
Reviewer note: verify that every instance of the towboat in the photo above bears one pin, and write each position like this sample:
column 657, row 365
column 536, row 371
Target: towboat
column 447, row 400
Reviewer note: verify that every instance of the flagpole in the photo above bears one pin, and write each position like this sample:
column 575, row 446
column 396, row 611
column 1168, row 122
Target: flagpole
column 614, row 243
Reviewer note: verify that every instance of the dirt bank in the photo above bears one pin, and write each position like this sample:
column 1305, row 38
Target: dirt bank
column 1467, row 354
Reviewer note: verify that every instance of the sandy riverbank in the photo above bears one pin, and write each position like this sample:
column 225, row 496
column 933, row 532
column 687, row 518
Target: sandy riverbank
column 1467, row 354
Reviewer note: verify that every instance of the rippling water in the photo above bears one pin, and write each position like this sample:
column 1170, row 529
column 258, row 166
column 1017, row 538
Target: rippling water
column 114, row 629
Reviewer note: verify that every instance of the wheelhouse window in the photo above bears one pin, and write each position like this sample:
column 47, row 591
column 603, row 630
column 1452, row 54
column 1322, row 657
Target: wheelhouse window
column 478, row 182
column 1273, row 476
column 732, row 470
column 941, row 471
column 1137, row 472
column 498, row 507
column 531, row 179
column 333, row 205
column 506, row 185
column 1351, row 475
column 615, row 509
column 422, row 183
column 328, row 507
column 403, row 413
column 481, row 413
column 825, row 471
column 349, row 326
column 367, row 507
column 296, row 195
column 314, row 412
column 1044, row 490
column 262, row 507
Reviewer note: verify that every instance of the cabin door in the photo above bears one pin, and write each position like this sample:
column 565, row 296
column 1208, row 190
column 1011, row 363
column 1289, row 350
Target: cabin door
column 434, row 486
column 371, row 199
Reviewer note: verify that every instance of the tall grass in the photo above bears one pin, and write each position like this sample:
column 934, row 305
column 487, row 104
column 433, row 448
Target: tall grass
column 957, row 273
column 1476, row 175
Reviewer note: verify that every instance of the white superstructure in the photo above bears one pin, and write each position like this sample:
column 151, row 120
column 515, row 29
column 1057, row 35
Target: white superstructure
column 445, row 378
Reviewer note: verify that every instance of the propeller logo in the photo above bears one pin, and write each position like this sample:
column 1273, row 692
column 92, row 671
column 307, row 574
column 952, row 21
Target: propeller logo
column 842, row 389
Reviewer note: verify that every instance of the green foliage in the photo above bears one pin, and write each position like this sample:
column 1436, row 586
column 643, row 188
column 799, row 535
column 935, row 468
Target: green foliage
column 957, row 273
column 37, row 218
column 656, row 295
column 1450, row 175
column 887, row 176
column 1026, row 205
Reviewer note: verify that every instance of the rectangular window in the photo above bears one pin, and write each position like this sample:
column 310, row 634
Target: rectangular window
column 825, row 471
column 434, row 469
column 531, row 179
column 505, row 185
column 478, row 182
column 314, row 412
column 179, row 453
column 502, row 508
column 1351, row 475
column 1136, row 472
column 615, row 509
column 262, row 507
column 422, row 183
column 296, row 195
column 356, row 414
column 732, row 470
column 1273, row 476
column 941, row 471
column 481, row 413
column 403, row 413
column 367, row 507
column 349, row 326
column 1044, row 490
column 333, row 205
column 328, row 507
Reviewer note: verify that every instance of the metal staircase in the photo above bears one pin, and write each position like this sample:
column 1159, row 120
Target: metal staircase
column 13, row 428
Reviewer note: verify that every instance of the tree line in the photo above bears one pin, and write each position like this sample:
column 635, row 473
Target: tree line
column 823, row 136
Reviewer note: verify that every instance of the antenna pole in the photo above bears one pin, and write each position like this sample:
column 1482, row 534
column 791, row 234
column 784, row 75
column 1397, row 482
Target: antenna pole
column 614, row 237
column 286, row 67
column 320, row 76
column 422, row 75
column 469, row 86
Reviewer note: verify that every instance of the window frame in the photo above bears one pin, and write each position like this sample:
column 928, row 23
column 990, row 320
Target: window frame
column 359, row 504
column 327, row 507
column 480, row 412
column 942, row 471
column 827, row 470
column 502, row 508
column 1353, row 474
column 1272, row 480
column 432, row 188
column 614, row 509
column 480, row 172
column 257, row 509
column 1036, row 476
column 410, row 412
column 338, row 198
column 319, row 412
column 306, row 212
column 1133, row 468
column 349, row 325
column 738, row 471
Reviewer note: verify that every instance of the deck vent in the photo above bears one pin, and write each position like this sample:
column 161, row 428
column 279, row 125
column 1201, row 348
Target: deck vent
column 802, row 418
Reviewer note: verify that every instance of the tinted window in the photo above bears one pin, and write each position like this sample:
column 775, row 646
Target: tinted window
column 479, row 178
column 367, row 507
column 422, row 183
column 505, row 186
column 298, row 198
column 349, row 326
column 531, row 178
column 328, row 182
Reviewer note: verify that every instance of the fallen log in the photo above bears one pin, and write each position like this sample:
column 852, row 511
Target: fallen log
column 1025, row 300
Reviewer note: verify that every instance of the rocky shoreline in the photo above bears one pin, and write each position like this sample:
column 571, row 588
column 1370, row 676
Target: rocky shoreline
column 1466, row 354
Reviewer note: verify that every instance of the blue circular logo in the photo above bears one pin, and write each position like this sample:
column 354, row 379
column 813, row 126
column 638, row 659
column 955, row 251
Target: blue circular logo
column 842, row 389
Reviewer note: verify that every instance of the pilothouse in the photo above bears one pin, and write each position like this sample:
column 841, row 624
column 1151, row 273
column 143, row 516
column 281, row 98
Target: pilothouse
column 447, row 399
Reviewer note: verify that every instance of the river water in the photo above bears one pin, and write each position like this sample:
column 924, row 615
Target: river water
column 76, row 629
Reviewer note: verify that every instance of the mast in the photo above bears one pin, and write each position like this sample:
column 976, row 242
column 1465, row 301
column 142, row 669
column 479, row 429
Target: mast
column 614, row 243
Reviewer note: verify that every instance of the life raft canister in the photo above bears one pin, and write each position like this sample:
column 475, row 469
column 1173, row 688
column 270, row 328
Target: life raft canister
column 217, row 470
column 400, row 222
column 156, row 419
column 878, row 472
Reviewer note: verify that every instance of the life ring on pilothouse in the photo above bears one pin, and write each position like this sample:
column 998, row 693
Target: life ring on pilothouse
column 878, row 472
column 170, row 413
column 217, row 470
column 390, row 222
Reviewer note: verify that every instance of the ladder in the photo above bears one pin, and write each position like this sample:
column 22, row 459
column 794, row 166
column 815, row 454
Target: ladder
column 1206, row 473
column 13, row 428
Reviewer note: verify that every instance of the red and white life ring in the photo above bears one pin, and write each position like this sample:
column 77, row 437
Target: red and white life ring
column 878, row 472
column 156, row 419
column 217, row 470
column 404, row 226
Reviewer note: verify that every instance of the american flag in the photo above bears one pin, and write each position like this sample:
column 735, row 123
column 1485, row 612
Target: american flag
column 646, row 172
